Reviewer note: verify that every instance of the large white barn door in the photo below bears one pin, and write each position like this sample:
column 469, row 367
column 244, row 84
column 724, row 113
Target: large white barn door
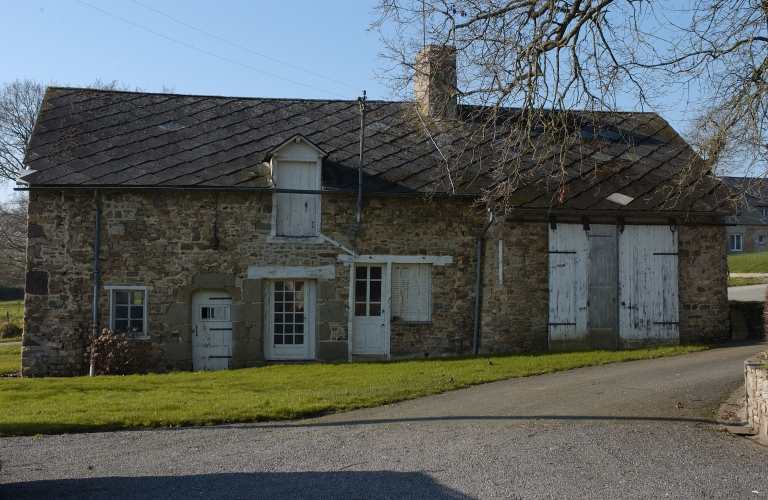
column 648, row 308
column 296, row 212
column 568, row 291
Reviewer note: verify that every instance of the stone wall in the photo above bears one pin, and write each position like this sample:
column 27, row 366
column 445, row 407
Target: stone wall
column 162, row 242
column 756, row 381
column 514, row 311
column 703, row 275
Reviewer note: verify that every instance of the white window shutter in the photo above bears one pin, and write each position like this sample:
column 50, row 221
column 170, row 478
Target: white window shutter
column 296, row 213
column 411, row 291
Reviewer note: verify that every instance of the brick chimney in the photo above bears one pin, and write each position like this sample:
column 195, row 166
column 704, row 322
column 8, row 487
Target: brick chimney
column 435, row 81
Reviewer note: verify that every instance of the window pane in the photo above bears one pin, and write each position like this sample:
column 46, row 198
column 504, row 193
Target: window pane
column 138, row 298
column 360, row 290
column 278, row 286
column 375, row 310
column 136, row 326
column 278, row 307
column 137, row 312
column 121, row 312
column 298, row 328
column 289, row 296
column 278, row 328
column 204, row 313
column 279, row 296
column 121, row 297
column 376, row 273
column 299, row 286
column 360, row 309
column 289, row 307
column 289, row 339
column 278, row 318
column 361, row 272
column 278, row 339
column 289, row 328
column 375, row 291
column 299, row 318
column 298, row 339
column 289, row 318
column 121, row 325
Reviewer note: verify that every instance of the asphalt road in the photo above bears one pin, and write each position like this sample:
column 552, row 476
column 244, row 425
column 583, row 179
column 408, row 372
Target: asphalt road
column 642, row 429
column 747, row 293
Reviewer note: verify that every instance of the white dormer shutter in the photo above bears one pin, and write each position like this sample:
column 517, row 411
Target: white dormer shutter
column 411, row 292
column 296, row 212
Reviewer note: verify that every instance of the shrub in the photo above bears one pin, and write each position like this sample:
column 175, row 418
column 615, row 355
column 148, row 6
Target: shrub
column 9, row 330
column 115, row 353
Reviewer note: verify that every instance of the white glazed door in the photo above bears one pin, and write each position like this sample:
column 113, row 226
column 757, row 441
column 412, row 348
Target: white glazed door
column 212, row 331
column 369, row 324
column 291, row 320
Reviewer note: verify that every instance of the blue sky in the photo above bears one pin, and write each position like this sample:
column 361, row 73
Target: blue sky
column 69, row 43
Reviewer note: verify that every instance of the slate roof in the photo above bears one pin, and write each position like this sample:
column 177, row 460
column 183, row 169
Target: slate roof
column 754, row 192
column 95, row 138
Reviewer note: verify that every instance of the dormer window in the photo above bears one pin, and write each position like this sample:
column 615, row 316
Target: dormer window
column 296, row 168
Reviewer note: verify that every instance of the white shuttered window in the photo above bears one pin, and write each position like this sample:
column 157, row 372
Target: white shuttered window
column 411, row 292
column 297, row 213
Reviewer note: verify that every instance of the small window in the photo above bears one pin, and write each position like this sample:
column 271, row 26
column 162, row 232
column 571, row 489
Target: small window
column 128, row 312
column 411, row 292
column 764, row 211
column 734, row 243
column 761, row 240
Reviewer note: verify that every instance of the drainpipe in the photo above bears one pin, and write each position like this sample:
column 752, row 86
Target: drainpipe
column 478, row 279
column 95, row 331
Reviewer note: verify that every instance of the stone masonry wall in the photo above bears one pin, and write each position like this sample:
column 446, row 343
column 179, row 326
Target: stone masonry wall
column 703, row 273
column 514, row 312
column 756, row 382
column 161, row 241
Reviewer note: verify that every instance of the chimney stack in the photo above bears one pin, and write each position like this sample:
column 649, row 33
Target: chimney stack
column 435, row 81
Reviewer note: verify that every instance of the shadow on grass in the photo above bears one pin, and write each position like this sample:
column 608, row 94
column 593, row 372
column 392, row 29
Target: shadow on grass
column 288, row 485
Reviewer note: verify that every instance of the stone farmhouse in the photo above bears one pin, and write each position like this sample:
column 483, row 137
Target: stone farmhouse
column 749, row 232
column 224, row 233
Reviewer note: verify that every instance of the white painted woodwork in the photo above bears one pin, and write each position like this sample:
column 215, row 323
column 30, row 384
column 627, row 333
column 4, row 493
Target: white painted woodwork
column 211, row 331
column 435, row 260
column 370, row 325
column 648, row 283
column 297, row 213
column 411, row 292
column 568, row 291
column 292, row 272
column 290, row 312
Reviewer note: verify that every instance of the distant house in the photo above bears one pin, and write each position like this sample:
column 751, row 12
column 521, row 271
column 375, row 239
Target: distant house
column 223, row 233
column 750, row 232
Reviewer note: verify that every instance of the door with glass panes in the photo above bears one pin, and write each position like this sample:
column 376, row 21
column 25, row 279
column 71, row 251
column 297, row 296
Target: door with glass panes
column 291, row 320
column 369, row 324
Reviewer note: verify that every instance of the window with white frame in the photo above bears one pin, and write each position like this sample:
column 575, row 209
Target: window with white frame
column 735, row 243
column 128, row 310
column 764, row 211
column 411, row 292
column 761, row 239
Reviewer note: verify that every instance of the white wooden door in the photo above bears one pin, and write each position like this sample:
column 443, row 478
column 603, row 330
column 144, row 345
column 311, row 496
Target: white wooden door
column 296, row 212
column 370, row 330
column 212, row 331
column 568, row 290
column 648, row 295
column 603, row 287
column 290, row 334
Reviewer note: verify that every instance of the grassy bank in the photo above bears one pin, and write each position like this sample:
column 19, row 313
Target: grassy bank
column 59, row 405
column 748, row 263
column 10, row 359
column 746, row 281
column 12, row 310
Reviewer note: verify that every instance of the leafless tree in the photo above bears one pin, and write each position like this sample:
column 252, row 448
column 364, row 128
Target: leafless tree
column 20, row 101
column 542, row 57
column 13, row 238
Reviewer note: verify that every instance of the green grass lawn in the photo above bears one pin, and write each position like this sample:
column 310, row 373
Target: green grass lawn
column 12, row 309
column 746, row 281
column 10, row 359
column 80, row 404
column 755, row 262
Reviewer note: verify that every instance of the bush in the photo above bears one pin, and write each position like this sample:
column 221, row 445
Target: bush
column 9, row 330
column 114, row 352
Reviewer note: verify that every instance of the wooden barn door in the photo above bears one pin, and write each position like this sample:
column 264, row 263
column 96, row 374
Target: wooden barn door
column 603, row 287
column 568, row 292
column 648, row 309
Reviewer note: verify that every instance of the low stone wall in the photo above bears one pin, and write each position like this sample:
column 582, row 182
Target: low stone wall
column 756, row 380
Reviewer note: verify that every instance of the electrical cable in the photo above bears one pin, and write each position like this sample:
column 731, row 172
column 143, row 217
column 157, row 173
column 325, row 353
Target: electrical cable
column 243, row 48
column 210, row 53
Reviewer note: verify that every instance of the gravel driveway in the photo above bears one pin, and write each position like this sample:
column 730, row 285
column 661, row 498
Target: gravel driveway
column 603, row 432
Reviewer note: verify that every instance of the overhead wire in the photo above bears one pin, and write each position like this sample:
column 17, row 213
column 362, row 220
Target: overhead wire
column 210, row 53
column 245, row 48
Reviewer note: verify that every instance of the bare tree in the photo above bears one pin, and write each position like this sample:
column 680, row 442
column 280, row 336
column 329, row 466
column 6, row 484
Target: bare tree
column 542, row 57
column 13, row 234
column 20, row 101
